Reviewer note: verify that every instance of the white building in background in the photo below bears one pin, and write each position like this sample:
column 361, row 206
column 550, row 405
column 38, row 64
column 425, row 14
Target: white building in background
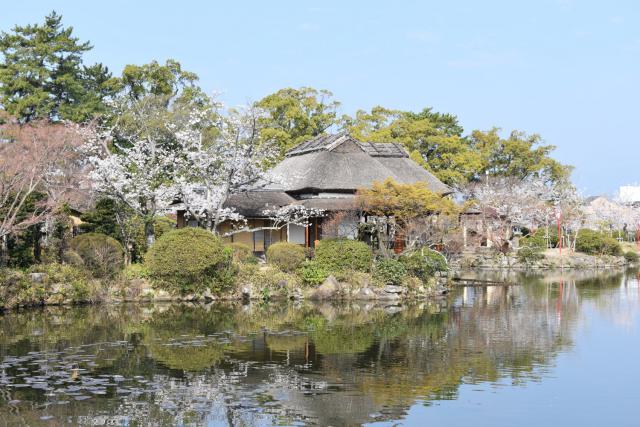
column 629, row 194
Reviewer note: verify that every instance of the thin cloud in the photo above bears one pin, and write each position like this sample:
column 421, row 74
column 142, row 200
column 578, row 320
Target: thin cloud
column 422, row 36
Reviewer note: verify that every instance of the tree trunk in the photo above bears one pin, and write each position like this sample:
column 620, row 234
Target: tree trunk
column 382, row 243
column 4, row 251
column 127, row 254
column 37, row 248
column 149, row 233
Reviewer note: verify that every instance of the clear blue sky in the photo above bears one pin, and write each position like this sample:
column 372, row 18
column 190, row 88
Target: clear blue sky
column 567, row 69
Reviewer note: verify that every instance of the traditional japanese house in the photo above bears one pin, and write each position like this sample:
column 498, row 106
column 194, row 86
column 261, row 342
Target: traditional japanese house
column 325, row 173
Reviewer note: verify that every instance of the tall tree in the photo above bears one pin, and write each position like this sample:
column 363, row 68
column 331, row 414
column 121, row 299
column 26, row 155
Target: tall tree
column 215, row 168
column 508, row 201
column 42, row 75
column 152, row 95
column 136, row 170
column 168, row 80
column 137, row 148
column 519, row 155
column 293, row 115
column 434, row 139
column 36, row 162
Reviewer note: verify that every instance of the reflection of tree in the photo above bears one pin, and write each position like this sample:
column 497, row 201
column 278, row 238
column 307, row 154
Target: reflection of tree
column 280, row 363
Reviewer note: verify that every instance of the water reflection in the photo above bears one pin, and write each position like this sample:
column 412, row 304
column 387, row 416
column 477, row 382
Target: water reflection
column 291, row 363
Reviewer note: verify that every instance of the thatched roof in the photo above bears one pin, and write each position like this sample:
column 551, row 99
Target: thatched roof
column 331, row 203
column 340, row 163
column 254, row 203
column 332, row 167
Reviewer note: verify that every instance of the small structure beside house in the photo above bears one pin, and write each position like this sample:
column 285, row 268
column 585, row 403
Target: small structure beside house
column 325, row 173
column 483, row 227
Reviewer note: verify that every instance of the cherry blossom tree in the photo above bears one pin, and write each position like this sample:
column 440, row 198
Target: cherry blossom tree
column 199, row 158
column 291, row 214
column 134, row 163
column 232, row 161
column 566, row 202
column 513, row 202
column 40, row 163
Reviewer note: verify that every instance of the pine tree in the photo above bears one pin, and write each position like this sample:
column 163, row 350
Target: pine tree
column 42, row 75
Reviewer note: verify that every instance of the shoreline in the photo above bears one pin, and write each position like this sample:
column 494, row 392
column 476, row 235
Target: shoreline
column 50, row 287
column 330, row 291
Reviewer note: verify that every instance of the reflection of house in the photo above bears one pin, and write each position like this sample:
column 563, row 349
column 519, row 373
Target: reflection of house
column 325, row 173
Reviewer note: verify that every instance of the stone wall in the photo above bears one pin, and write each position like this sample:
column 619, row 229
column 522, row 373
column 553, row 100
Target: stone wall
column 491, row 259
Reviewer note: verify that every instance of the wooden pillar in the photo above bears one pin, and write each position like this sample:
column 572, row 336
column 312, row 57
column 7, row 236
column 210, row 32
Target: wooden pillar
column 180, row 219
column 306, row 236
column 464, row 236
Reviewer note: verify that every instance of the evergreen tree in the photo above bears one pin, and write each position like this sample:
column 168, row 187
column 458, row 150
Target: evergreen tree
column 42, row 75
column 294, row 115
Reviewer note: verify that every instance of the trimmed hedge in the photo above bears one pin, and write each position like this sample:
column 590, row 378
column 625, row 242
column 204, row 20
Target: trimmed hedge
column 631, row 256
column 341, row 255
column 286, row 256
column 100, row 254
column 189, row 260
column 424, row 263
column 390, row 271
column 595, row 243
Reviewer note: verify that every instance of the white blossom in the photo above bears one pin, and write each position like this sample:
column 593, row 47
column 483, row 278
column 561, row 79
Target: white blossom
column 212, row 169
column 292, row 214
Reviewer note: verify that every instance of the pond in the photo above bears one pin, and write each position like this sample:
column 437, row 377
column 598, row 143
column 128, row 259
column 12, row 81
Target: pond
column 560, row 349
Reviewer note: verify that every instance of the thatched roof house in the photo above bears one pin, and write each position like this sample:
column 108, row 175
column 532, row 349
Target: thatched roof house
column 325, row 172
column 338, row 163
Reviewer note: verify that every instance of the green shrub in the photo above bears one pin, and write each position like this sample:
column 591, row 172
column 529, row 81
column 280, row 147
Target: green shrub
column 312, row 273
column 342, row 255
column 72, row 258
column 268, row 278
column 79, row 286
column 189, row 260
column 390, row 271
column 631, row 256
column 60, row 283
column 18, row 289
column 529, row 254
column 541, row 239
column 162, row 225
column 596, row 243
column 424, row 263
column 413, row 283
column 359, row 279
column 241, row 252
column 286, row 256
column 101, row 254
column 60, row 273
column 136, row 271
column 251, row 260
